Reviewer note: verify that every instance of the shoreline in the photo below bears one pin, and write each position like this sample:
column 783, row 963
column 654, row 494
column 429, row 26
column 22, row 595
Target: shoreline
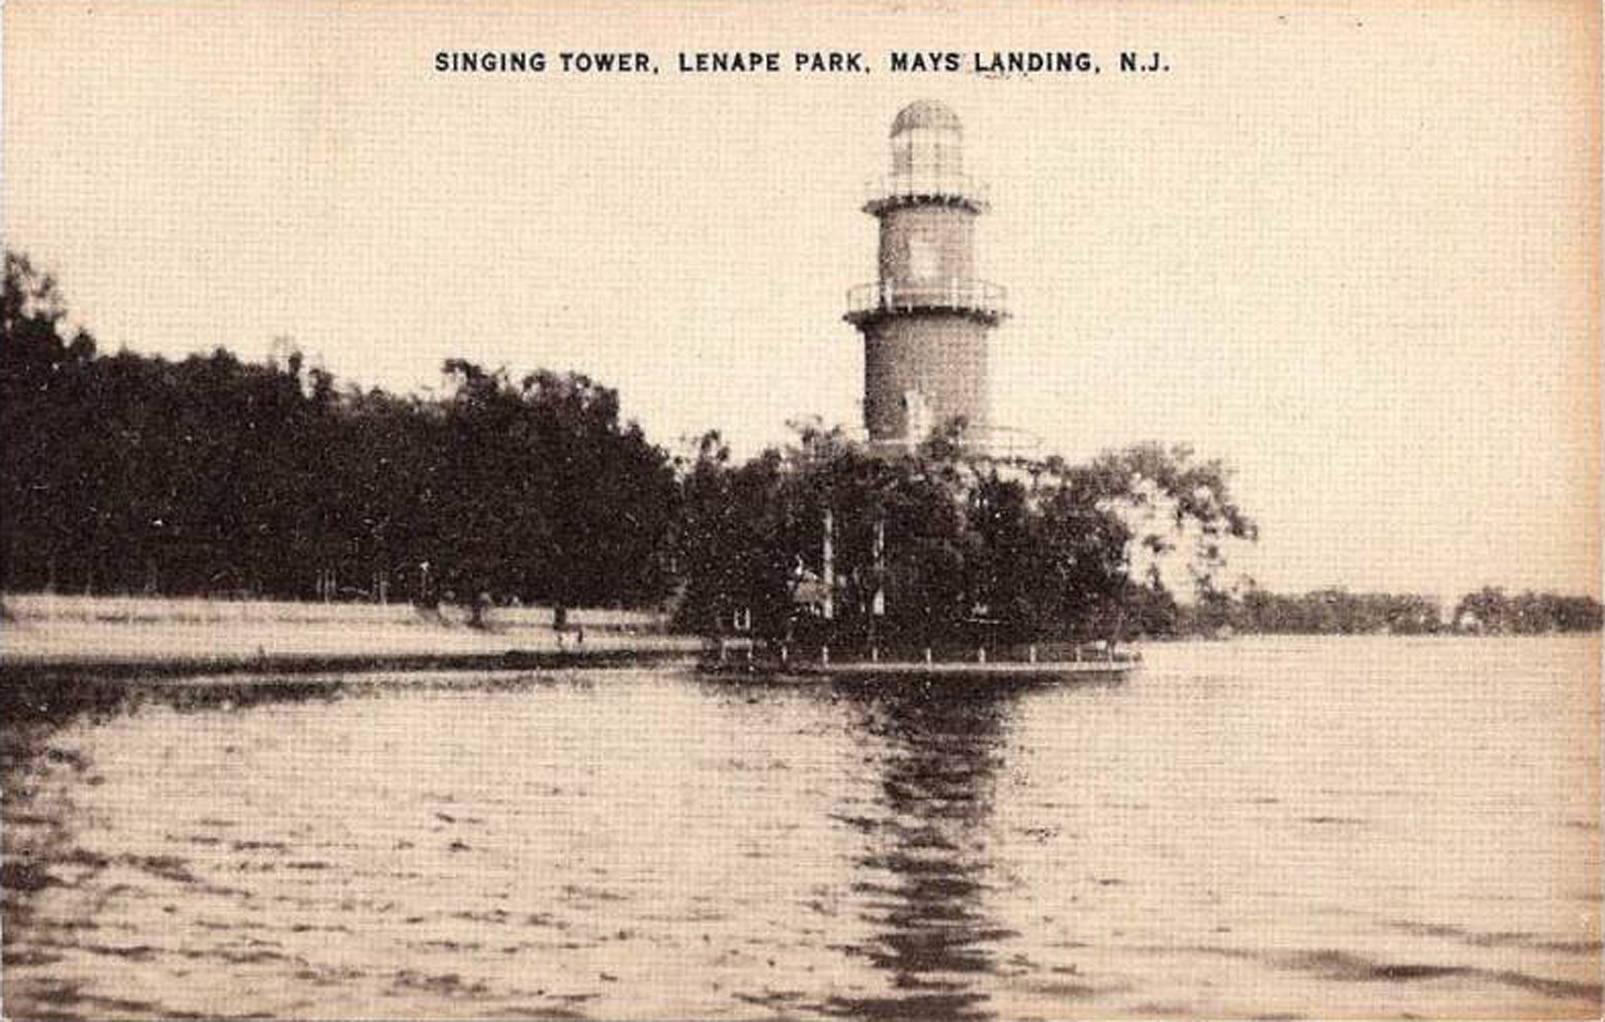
column 161, row 638
column 135, row 637
column 270, row 668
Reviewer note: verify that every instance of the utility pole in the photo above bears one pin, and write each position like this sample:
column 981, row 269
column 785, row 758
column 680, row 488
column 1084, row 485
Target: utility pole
column 829, row 568
column 877, row 602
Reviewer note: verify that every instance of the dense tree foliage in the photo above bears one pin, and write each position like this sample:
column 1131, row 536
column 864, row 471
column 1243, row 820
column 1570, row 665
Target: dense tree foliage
column 1320, row 612
column 1340, row 612
column 211, row 475
column 1490, row 611
column 936, row 547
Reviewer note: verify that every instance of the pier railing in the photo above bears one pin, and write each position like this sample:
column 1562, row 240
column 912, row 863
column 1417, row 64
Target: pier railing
column 978, row 298
column 952, row 189
column 742, row 649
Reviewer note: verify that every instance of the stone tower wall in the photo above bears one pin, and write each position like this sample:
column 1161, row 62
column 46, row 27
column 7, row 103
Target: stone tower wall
column 941, row 355
column 948, row 232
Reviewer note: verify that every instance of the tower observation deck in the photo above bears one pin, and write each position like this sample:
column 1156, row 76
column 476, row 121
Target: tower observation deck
column 926, row 320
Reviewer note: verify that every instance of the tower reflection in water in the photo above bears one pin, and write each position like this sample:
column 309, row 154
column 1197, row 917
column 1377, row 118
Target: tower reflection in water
column 925, row 877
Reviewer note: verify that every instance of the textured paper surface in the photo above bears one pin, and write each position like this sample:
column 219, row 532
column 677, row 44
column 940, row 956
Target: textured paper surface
column 1352, row 250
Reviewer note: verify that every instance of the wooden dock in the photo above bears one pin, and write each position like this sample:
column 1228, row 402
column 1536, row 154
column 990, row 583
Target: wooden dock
column 746, row 661
column 1043, row 670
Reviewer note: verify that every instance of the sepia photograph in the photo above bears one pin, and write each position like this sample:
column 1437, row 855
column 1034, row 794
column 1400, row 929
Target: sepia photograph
column 871, row 511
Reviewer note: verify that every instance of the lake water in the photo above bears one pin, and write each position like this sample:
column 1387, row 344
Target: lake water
column 1383, row 828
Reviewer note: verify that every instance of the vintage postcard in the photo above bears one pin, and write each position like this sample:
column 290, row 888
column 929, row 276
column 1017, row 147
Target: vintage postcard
column 871, row 511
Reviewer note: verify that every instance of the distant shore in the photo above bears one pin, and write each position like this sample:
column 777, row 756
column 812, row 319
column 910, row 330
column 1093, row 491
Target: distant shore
column 150, row 637
column 110, row 636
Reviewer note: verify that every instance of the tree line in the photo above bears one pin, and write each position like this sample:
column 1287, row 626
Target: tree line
column 1488, row 611
column 210, row 475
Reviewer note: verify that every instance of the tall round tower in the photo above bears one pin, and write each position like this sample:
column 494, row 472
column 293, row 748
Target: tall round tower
column 926, row 320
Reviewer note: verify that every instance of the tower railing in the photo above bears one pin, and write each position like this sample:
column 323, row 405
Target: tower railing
column 978, row 298
column 934, row 186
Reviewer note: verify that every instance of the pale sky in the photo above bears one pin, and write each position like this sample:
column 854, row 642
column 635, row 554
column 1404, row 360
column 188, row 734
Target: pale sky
column 1351, row 251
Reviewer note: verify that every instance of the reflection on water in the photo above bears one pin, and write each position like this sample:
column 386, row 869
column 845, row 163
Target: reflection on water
column 924, row 872
column 1371, row 828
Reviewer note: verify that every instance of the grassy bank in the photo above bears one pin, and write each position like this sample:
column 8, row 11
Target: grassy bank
column 49, row 631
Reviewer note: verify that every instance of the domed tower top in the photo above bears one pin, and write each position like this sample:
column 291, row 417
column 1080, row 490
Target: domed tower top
column 927, row 162
column 926, row 114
